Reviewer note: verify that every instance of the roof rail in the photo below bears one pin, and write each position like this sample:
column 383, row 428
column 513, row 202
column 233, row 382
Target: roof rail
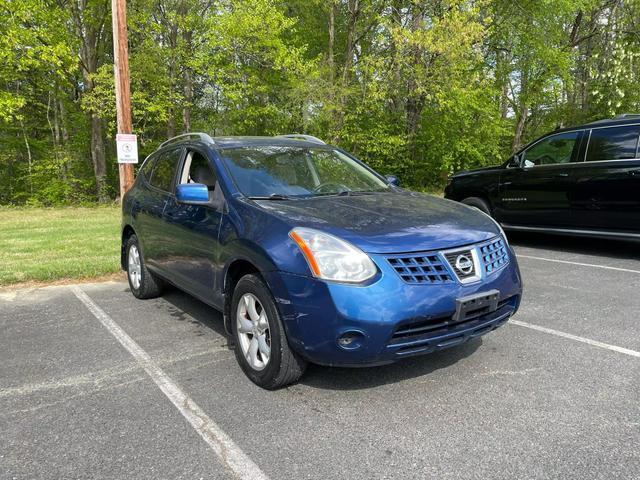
column 627, row 115
column 187, row 136
column 308, row 138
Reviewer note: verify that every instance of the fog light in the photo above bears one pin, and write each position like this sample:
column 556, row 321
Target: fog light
column 351, row 340
column 345, row 341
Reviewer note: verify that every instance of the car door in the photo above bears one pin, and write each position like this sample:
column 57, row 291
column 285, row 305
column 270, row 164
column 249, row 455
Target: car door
column 192, row 231
column 151, row 223
column 608, row 184
column 537, row 191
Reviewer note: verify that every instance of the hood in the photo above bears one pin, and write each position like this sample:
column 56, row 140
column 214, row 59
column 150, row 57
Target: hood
column 390, row 222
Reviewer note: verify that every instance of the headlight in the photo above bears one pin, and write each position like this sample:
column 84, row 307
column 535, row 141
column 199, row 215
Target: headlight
column 331, row 258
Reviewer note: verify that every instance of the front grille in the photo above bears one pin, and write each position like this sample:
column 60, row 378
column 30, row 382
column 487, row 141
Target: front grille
column 494, row 255
column 436, row 267
column 420, row 268
column 462, row 263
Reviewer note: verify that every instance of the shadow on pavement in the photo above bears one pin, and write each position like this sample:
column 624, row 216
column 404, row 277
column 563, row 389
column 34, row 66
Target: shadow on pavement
column 201, row 312
column 330, row 377
column 582, row 245
column 334, row 378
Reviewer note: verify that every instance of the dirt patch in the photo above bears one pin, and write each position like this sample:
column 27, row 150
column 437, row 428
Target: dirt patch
column 112, row 277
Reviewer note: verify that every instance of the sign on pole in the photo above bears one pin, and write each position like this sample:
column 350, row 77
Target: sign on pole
column 127, row 146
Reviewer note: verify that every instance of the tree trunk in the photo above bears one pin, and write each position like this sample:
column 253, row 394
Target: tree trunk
column 98, row 158
column 188, row 99
column 91, row 34
column 187, row 88
column 415, row 99
column 397, row 97
column 354, row 14
column 64, row 133
column 520, row 124
column 29, row 157
column 332, row 39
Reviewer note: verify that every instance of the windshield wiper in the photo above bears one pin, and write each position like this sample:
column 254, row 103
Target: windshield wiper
column 273, row 196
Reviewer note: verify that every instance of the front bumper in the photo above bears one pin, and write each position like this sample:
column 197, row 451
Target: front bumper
column 389, row 318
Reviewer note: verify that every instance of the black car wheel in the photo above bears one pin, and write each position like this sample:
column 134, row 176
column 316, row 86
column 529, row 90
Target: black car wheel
column 478, row 203
column 261, row 346
column 142, row 282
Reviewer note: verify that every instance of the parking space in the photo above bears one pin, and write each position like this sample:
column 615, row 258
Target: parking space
column 120, row 388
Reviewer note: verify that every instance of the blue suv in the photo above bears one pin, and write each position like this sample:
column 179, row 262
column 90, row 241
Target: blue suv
column 311, row 255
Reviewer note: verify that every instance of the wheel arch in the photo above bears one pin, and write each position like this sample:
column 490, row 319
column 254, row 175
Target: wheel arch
column 234, row 271
column 483, row 197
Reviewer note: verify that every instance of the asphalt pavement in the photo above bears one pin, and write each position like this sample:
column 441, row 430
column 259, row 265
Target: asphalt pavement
column 97, row 384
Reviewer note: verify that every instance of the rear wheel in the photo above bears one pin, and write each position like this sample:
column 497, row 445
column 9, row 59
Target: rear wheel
column 142, row 282
column 261, row 345
column 478, row 203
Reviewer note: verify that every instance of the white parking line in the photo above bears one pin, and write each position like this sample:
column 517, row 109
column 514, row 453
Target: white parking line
column 227, row 451
column 518, row 255
column 588, row 341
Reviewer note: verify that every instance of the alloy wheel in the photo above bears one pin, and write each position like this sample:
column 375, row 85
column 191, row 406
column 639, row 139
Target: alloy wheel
column 253, row 331
column 134, row 268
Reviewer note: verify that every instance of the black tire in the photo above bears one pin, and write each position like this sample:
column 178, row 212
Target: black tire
column 149, row 286
column 478, row 203
column 284, row 366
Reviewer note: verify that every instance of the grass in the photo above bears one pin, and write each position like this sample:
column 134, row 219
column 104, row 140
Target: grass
column 47, row 244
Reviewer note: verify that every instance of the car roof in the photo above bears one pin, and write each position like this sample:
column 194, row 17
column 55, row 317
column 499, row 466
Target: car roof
column 290, row 140
column 250, row 141
column 624, row 119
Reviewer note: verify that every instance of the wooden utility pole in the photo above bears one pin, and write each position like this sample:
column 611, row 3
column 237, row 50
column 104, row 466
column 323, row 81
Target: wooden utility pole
column 123, row 94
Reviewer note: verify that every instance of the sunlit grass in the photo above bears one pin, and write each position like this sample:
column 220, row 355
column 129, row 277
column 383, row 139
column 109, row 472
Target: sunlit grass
column 44, row 244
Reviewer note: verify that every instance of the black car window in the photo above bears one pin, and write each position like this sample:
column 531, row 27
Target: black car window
column 164, row 170
column 146, row 167
column 615, row 143
column 552, row 150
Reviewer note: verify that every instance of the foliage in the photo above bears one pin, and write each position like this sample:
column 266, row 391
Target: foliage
column 418, row 88
column 50, row 244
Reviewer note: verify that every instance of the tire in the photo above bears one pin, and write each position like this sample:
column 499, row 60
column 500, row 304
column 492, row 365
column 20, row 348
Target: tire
column 142, row 282
column 478, row 203
column 262, row 331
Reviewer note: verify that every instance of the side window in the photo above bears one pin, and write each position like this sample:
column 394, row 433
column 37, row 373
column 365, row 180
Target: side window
column 164, row 170
column 198, row 170
column 146, row 167
column 615, row 143
column 552, row 150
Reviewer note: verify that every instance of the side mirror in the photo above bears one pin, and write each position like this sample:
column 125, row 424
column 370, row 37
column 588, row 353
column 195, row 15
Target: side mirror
column 192, row 194
column 393, row 180
column 514, row 162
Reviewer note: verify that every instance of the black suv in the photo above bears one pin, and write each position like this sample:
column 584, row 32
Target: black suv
column 581, row 180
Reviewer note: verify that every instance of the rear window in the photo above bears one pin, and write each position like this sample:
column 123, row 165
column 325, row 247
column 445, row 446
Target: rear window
column 164, row 170
column 615, row 143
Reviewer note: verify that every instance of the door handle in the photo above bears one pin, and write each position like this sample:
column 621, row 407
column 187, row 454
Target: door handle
column 633, row 173
column 561, row 175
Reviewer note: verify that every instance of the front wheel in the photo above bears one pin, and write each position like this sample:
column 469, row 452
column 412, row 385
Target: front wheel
column 478, row 203
column 261, row 345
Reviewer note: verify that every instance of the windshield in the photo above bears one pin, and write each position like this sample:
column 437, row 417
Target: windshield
column 272, row 171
